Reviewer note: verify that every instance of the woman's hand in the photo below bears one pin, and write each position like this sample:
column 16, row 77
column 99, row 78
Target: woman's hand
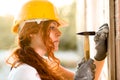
column 85, row 70
column 101, row 42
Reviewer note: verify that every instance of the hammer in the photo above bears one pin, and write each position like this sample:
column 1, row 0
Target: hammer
column 86, row 43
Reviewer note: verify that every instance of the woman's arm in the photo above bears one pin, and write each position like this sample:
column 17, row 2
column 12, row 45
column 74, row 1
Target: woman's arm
column 85, row 71
column 67, row 74
column 99, row 66
column 101, row 40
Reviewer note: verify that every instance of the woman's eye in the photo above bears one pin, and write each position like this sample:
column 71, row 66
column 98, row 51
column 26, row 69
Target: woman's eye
column 52, row 27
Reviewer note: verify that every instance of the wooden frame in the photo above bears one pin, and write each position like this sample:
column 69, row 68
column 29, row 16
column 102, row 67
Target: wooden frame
column 112, row 47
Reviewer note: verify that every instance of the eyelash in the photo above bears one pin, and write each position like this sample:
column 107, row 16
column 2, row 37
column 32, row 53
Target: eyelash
column 52, row 27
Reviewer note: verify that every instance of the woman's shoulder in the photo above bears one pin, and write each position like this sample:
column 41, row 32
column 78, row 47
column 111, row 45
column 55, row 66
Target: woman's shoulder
column 23, row 72
column 25, row 67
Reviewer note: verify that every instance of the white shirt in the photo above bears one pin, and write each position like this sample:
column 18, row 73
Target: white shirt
column 23, row 72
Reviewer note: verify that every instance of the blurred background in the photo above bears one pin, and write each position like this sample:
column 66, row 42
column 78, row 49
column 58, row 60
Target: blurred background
column 71, row 45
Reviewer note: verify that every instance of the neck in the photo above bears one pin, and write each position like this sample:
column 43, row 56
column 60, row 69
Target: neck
column 40, row 51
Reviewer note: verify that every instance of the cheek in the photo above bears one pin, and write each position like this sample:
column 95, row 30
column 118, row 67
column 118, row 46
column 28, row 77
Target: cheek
column 52, row 36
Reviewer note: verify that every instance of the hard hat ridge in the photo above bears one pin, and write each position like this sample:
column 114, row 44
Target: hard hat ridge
column 32, row 20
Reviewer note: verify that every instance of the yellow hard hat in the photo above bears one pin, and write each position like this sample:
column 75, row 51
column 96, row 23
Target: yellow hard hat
column 37, row 9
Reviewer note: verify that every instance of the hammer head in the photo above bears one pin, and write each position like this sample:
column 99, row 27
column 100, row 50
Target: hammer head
column 86, row 33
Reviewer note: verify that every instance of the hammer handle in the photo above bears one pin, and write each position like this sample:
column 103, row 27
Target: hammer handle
column 86, row 48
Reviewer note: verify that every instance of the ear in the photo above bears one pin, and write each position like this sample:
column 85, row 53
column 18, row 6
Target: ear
column 32, row 35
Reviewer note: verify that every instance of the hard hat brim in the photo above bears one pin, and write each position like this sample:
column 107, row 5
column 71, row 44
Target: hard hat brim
column 15, row 27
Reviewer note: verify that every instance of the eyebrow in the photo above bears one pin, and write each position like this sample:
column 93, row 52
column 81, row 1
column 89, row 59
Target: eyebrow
column 55, row 23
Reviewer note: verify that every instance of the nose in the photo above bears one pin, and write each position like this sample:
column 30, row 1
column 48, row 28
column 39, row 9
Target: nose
column 58, row 33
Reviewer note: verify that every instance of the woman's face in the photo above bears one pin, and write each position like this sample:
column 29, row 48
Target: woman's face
column 36, row 39
column 55, row 34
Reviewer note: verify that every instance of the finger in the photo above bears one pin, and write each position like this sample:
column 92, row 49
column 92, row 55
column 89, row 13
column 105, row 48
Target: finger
column 104, row 29
column 81, row 62
column 102, row 33
column 90, row 61
column 96, row 37
column 93, row 73
column 93, row 66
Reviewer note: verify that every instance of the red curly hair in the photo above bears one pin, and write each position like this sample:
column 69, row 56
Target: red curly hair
column 25, row 54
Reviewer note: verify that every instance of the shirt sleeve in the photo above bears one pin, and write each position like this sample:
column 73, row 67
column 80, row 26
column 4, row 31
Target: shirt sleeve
column 24, row 72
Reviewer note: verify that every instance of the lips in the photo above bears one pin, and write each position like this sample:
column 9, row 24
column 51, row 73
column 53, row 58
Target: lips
column 56, row 42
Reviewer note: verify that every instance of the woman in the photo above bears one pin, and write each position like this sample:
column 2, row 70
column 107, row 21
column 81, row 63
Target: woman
column 38, row 37
column 34, row 41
